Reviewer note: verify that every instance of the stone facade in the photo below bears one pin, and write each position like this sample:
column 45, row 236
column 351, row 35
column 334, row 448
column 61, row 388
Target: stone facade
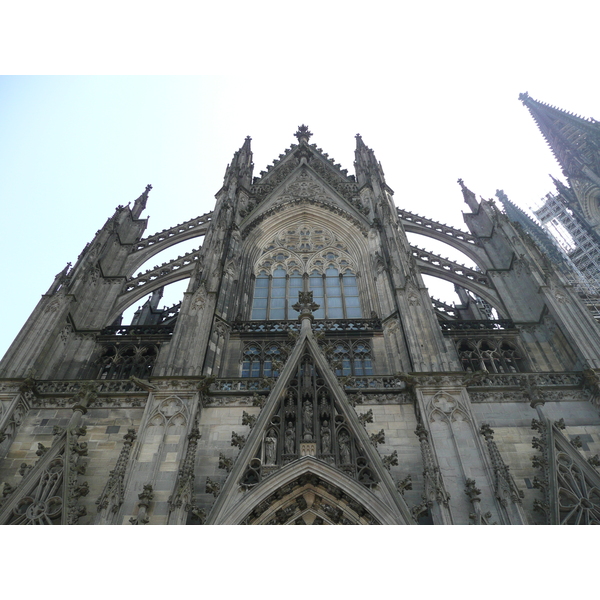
column 306, row 377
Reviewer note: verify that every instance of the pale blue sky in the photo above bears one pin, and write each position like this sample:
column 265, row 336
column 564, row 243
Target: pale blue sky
column 433, row 92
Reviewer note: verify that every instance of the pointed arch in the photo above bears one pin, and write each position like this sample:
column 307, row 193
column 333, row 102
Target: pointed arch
column 306, row 240
column 286, row 497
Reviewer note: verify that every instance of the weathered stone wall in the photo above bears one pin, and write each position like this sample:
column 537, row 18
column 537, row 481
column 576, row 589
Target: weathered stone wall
column 104, row 439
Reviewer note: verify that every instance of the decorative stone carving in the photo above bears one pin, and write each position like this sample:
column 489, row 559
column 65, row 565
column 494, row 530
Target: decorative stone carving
column 270, row 446
column 377, row 438
column 570, row 486
column 184, row 486
column 366, row 417
column 474, row 493
column 199, row 299
column 505, row 487
column 434, row 490
column 391, row 460
column 248, row 420
column 66, row 331
column 305, row 305
column 113, row 494
column 225, row 462
column 212, row 487
column 44, row 505
column 404, row 485
column 307, row 420
column 144, row 502
column 237, row 440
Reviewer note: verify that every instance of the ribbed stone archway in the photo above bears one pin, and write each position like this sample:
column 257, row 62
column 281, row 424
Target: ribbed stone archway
column 310, row 492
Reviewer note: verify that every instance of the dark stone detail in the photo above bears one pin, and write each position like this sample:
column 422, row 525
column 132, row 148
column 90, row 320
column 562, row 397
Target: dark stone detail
column 498, row 325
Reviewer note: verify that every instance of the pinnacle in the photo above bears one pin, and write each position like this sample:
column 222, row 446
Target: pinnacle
column 468, row 196
column 303, row 133
column 567, row 134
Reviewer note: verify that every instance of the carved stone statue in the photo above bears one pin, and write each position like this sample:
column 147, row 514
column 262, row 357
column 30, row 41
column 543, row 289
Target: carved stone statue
column 325, row 438
column 290, row 439
column 307, row 418
column 270, row 448
column 344, row 442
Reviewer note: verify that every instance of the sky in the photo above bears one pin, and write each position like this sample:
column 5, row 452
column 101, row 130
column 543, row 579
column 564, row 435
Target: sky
column 88, row 119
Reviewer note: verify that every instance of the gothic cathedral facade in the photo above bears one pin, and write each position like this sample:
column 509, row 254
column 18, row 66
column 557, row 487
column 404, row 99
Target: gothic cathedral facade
column 306, row 377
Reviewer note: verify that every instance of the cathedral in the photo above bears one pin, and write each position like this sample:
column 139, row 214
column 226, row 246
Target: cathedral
column 307, row 377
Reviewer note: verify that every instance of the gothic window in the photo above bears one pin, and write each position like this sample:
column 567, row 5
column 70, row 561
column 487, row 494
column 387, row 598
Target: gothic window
column 493, row 356
column 123, row 361
column 261, row 360
column 275, row 295
column 352, row 358
column 335, row 293
column 305, row 252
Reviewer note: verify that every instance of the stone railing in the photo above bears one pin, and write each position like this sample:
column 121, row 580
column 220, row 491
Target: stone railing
column 326, row 325
column 102, row 386
column 374, row 383
column 444, row 308
column 241, row 384
column 494, row 380
column 485, row 325
column 131, row 330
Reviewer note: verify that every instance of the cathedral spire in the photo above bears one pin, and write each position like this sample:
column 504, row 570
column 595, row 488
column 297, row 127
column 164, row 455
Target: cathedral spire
column 367, row 167
column 140, row 204
column 573, row 140
column 530, row 226
column 241, row 166
column 469, row 196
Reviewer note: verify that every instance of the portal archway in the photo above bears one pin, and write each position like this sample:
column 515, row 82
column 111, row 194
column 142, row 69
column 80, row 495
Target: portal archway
column 310, row 492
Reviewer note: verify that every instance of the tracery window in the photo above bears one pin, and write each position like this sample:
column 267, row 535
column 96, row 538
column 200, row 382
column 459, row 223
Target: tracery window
column 493, row 356
column 336, row 294
column 122, row 361
column 299, row 252
column 262, row 360
column 351, row 358
column 275, row 295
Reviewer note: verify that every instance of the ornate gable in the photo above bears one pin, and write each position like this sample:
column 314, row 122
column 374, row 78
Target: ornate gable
column 307, row 427
column 319, row 179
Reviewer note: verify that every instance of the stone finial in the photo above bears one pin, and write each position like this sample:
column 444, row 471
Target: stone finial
column 303, row 134
column 305, row 306
column 404, row 485
column 486, row 431
column 523, row 97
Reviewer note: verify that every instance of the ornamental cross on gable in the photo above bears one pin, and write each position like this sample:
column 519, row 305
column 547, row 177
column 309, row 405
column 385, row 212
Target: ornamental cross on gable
column 303, row 133
column 305, row 305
